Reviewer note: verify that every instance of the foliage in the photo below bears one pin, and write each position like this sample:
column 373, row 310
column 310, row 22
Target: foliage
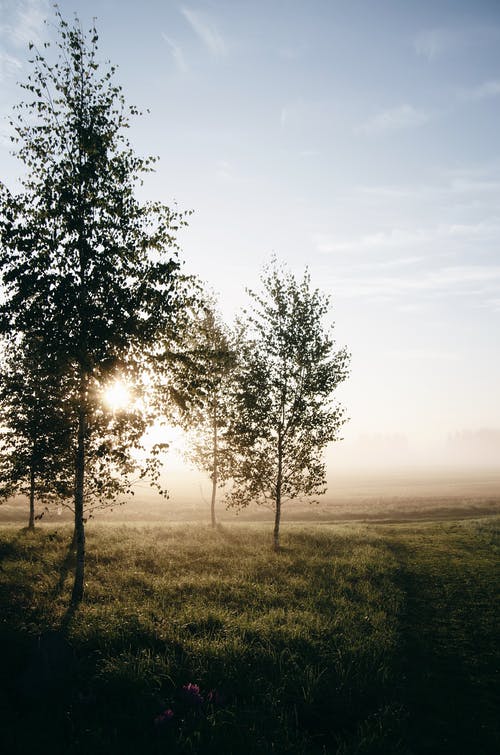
column 35, row 458
column 85, row 267
column 284, row 414
column 211, row 363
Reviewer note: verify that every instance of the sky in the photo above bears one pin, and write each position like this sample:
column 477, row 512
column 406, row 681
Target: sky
column 359, row 138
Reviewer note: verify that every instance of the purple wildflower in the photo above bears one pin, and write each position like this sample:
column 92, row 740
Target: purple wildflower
column 190, row 693
column 165, row 717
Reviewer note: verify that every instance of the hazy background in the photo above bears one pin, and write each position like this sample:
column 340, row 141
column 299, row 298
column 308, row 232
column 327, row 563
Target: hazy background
column 359, row 138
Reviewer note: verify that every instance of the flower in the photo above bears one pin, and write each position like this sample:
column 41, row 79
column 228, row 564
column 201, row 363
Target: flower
column 190, row 693
column 165, row 717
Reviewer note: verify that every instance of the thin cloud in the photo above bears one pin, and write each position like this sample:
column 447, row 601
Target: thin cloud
column 291, row 52
column 177, row 54
column 224, row 171
column 206, row 31
column 27, row 24
column 423, row 355
column 484, row 91
column 400, row 238
column 402, row 117
column 473, row 281
column 9, row 66
column 433, row 43
column 303, row 114
column 5, row 136
column 482, row 189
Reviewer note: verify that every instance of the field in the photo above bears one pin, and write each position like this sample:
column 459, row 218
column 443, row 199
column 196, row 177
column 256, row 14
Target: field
column 375, row 637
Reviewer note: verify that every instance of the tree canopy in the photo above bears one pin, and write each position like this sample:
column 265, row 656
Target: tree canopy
column 86, row 268
column 284, row 412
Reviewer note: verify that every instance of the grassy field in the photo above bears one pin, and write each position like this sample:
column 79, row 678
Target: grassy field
column 356, row 638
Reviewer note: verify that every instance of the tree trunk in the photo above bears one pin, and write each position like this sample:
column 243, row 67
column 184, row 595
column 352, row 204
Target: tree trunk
column 79, row 534
column 78, row 586
column 279, row 480
column 214, row 468
column 31, row 524
column 277, row 519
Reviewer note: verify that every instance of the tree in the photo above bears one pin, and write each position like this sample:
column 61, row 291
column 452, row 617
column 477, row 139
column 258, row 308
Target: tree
column 210, row 361
column 34, row 431
column 284, row 414
column 85, row 266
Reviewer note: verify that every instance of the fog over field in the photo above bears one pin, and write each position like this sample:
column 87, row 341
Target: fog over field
column 249, row 376
column 359, row 138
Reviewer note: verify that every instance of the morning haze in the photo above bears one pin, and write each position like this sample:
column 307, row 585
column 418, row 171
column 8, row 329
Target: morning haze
column 358, row 138
column 249, row 425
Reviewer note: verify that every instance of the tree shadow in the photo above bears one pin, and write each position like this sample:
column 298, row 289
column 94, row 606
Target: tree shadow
column 443, row 682
column 67, row 564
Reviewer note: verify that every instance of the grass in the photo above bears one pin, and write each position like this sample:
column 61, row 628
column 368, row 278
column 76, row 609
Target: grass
column 371, row 638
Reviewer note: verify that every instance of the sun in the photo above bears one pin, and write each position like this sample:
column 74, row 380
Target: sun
column 117, row 395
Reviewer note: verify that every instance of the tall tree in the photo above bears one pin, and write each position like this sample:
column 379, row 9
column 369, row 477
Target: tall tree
column 284, row 412
column 84, row 264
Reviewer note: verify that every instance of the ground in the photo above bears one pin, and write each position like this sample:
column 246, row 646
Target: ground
column 358, row 637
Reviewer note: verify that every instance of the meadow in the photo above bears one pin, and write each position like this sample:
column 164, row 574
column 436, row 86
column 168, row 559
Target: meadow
column 358, row 638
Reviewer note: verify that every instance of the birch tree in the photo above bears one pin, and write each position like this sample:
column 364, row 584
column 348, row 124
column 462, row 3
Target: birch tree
column 84, row 264
column 212, row 360
column 284, row 412
column 34, row 430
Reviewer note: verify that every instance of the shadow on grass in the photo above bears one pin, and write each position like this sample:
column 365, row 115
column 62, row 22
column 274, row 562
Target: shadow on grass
column 447, row 683
column 37, row 659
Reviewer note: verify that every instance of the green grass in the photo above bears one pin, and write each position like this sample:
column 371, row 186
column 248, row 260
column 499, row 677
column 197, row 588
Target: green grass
column 353, row 639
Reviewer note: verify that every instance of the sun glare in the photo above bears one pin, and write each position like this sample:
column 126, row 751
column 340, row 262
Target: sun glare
column 117, row 396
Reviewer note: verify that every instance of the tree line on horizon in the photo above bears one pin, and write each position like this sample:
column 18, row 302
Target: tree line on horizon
column 94, row 291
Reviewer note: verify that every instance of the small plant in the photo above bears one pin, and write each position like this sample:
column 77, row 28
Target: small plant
column 191, row 695
column 190, row 700
column 164, row 718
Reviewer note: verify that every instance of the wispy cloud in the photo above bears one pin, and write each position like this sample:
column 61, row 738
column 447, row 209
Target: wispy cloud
column 484, row 91
column 433, row 43
column 311, row 115
column 27, row 23
column 423, row 355
column 476, row 282
column 206, row 30
column 291, row 52
column 481, row 188
column 400, row 238
column 224, row 171
column 5, row 136
column 9, row 66
column 177, row 54
column 491, row 304
column 402, row 117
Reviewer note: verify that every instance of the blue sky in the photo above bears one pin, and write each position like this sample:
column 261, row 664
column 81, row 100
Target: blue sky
column 360, row 138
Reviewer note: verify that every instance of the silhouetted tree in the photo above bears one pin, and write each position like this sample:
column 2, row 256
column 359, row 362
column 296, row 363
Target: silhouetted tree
column 284, row 414
column 34, row 429
column 83, row 263
column 206, row 418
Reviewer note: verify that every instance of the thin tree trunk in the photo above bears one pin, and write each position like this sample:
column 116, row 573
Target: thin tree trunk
column 31, row 524
column 214, row 467
column 277, row 519
column 78, row 586
column 79, row 534
column 279, row 480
